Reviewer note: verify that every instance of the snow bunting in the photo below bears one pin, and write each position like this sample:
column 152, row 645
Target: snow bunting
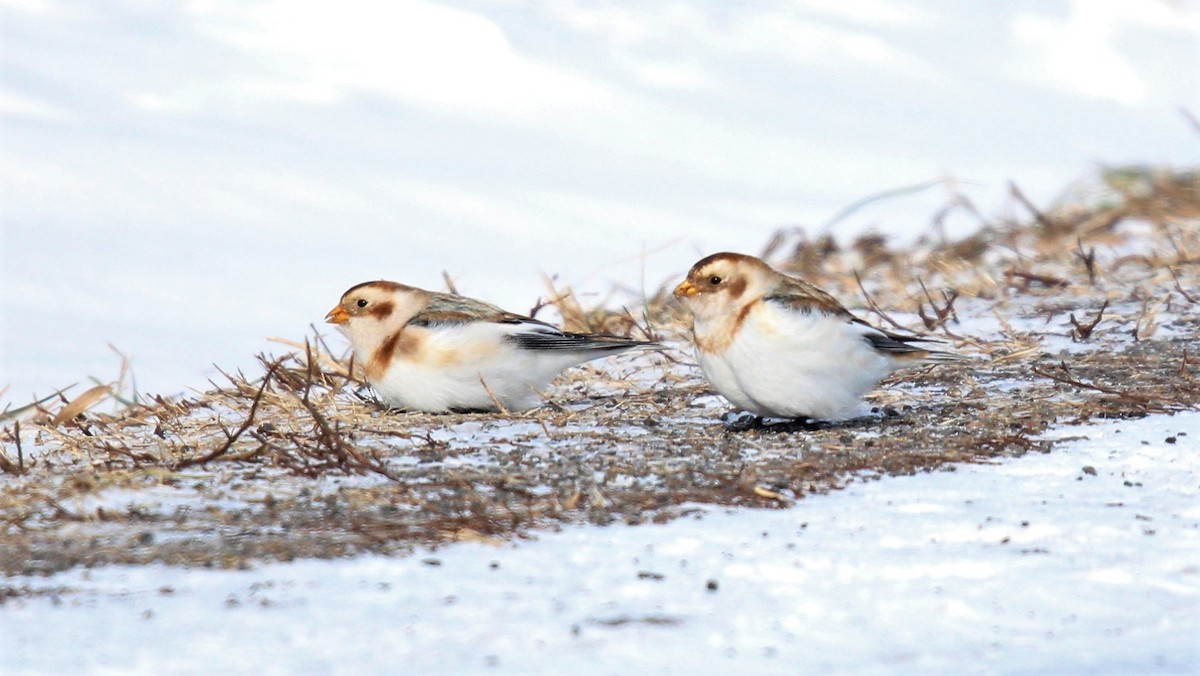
column 437, row 352
column 780, row 347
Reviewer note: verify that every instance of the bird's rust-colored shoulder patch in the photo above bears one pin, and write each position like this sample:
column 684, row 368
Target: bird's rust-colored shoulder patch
column 720, row 337
column 742, row 314
column 400, row 344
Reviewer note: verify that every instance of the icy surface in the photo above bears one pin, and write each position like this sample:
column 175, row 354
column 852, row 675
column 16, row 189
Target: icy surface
column 1084, row 559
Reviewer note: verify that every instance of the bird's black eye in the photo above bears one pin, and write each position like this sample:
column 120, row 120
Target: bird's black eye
column 714, row 280
column 362, row 302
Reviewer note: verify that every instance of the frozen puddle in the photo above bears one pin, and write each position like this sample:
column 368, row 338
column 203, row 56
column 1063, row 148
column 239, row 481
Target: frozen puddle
column 1085, row 559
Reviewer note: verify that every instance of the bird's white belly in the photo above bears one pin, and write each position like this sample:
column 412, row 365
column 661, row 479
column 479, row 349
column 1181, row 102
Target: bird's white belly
column 419, row 388
column 816, row 367
column 513, row 377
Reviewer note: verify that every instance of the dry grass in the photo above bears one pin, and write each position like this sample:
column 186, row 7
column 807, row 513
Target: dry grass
column 1085, row 310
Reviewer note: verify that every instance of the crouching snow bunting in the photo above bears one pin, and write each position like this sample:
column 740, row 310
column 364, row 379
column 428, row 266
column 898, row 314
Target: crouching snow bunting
column 780, row 347
column 427, row 351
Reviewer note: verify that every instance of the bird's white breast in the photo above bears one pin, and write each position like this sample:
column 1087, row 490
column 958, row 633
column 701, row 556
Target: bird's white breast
column 788, row 363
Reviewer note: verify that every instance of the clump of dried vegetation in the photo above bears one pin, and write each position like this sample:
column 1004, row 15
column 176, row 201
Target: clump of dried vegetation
column 1079, row 311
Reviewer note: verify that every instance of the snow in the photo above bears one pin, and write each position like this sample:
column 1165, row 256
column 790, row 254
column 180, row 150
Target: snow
column 1085, row 559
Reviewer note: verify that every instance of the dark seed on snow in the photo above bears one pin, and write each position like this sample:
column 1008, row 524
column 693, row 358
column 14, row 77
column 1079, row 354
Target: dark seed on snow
column 711, row 585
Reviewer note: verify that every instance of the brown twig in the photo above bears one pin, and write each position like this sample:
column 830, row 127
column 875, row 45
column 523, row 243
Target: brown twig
column 1179, row 286
column 20, row 451
column 1088, row 258
column 495, row 400
column 941, row 314
column 1029, row 278
column 8, row 466
column 1040, row 217
column 1133, row 397
column 224, row 448
column 1084, row 331
column 875, row 308
column 348, row 456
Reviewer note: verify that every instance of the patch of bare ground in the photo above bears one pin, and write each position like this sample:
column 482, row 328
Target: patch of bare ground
column 1080, row 311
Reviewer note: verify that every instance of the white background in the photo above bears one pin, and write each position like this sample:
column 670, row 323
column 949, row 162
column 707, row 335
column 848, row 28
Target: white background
column 184, row 179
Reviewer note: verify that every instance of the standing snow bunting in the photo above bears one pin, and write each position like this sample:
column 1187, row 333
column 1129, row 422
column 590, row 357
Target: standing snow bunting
column 780, row 347
column 436, row 352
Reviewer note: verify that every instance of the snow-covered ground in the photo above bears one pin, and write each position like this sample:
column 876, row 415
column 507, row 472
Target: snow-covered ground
column 1086, row 559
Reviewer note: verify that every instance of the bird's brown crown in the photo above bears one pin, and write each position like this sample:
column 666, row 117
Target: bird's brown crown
column 723, row 272
column 375, row 299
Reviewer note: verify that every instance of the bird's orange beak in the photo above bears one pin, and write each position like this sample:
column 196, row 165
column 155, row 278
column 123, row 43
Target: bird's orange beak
column 685, row 289
column 337, row 316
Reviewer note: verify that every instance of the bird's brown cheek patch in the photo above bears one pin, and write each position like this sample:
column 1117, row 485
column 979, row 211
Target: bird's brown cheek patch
column 382, row 310
column 737, row 287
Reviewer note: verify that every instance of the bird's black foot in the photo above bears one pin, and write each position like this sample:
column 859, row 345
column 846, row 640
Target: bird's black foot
column 735, row 421
column 742, row 421
column 799, row 425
